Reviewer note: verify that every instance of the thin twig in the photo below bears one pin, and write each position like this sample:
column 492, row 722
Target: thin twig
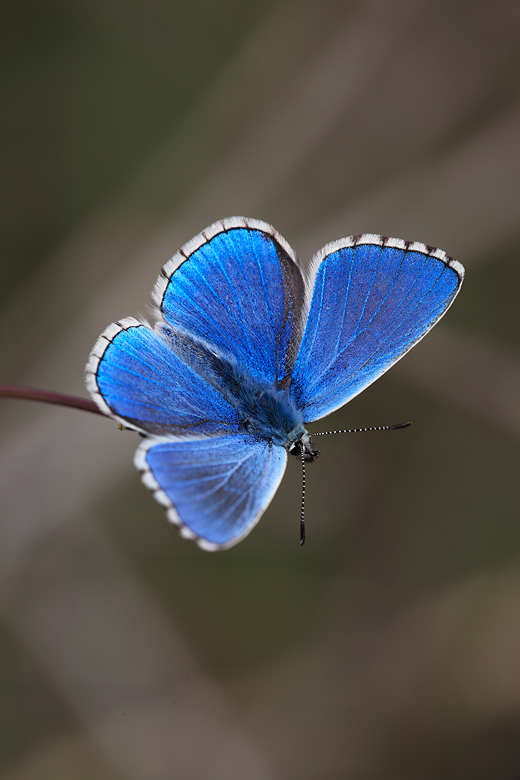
column 48, row 397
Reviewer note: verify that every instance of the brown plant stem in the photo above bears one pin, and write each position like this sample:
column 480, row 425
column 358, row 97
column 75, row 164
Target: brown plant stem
column 49, row 397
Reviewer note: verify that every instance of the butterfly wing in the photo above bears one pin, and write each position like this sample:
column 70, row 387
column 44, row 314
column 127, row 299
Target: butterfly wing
column 238, row 286
column 215, row 489
column 373, row 299
column 135, row 377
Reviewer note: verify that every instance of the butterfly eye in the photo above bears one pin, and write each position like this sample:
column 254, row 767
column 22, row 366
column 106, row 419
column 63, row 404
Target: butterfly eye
column 296, row 449
column 302, row 447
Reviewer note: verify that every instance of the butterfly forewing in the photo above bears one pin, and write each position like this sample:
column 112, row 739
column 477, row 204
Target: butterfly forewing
column 373, row 299
column 238, row 286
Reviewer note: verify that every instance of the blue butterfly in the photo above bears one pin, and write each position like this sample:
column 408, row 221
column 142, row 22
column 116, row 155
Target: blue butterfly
column 246, row 350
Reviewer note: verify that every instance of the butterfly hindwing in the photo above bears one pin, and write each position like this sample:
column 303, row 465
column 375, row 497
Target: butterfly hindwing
column 214, row 489
column 373, row 299
column 135, row 377
column 238, row 286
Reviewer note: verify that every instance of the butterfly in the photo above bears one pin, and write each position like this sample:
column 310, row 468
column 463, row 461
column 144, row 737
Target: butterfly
column 246, row 350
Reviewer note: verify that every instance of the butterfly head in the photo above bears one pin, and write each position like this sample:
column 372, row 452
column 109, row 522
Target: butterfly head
column 301, row 446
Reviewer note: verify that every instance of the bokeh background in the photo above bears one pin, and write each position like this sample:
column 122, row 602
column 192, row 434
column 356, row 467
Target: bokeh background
column 389, row 646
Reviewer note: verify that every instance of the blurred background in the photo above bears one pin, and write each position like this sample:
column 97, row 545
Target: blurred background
column 389, row 646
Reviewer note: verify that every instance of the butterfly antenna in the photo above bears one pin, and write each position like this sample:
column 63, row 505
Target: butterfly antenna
column 302, row 516
column 326, row 433
column 365, row 430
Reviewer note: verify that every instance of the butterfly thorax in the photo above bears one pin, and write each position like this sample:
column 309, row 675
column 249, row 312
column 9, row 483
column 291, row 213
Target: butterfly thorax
column 264, row 411
column 269, row 413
